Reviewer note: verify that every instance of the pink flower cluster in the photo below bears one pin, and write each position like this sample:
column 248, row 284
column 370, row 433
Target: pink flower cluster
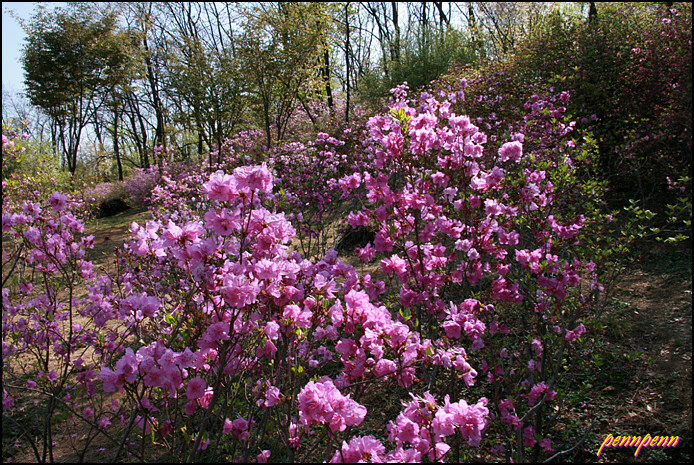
column 217, row 317
column 420, row 428
column 321, row 402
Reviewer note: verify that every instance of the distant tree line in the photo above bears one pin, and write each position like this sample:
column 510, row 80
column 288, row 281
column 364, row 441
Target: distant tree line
column 123, row 78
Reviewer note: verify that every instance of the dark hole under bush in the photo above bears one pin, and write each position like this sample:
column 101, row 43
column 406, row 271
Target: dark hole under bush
column 111, row 207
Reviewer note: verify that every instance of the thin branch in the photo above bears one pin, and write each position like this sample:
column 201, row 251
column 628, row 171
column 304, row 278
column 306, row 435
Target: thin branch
column 583, row 438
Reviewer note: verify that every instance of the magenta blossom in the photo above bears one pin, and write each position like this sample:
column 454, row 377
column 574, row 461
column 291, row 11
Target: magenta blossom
column 57, row 201
column 321, row 402
column 360, row 449
column 196, row 388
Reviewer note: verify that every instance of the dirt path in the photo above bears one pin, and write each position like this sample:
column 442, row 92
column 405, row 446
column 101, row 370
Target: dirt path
column 641, row 381
column 111, row 233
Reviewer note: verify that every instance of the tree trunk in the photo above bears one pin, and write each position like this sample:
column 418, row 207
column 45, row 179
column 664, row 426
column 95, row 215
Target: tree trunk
column 395, row 49
column 136, row 138
column 160, row 136
column 592, row 12
column 326, row 78
column 116, row 146
column 347, row 62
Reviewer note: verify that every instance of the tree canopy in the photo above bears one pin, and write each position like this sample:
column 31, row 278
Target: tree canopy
column 73, row 61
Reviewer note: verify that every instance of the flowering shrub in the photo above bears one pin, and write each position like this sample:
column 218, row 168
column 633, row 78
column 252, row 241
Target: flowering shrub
column 12, row 150
column 483, row 246
column 307, row 182
column 96, row 195
column 243, row 149
column 224, row 343
column 250, row 307
column 44, row 348
column 29, row 169
column 139, row 186
column 305, row 178
column 629, row 56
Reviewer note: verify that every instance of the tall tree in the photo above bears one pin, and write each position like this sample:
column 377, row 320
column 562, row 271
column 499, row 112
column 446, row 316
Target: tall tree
column 73, row 59
column 204, row 78
column 506, row 23
column 281, row 53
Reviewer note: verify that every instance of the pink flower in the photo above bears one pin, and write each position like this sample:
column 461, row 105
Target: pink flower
column 529, row 437
column 238, row 428
column 196, row 388
column 358, row 219
column 403, row 430
column 223, row 222
column 272, row 396
column 191, row 407
column 321, row 402
column 360, row 449
column 104, row 422
column 538, row 390
column 221, row 186
column 400, row 455
column 471, row 419
column 394, row 264
column 537, row 347
column 443, row 423
column 578, row 331
column 291, row 312
column 172, row 234
column 228, row 425
column 366, row 253
column 350, row 182
column 7, row 401
column 511, row 151
column 142, row 305
column 384, row 367
column 251, row 178
column 271, row 330
column 33, row 235
column 57, row 201
column 206, row 398
column 266, row 269
column 440, row 179
column 452, row 329
column 110, row 379
column 546, row 445
column 128, row 365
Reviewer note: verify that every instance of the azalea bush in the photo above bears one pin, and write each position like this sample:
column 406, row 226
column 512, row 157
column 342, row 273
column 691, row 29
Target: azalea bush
column 629, row 55
column 139, row 186
column 218, row 302
column 43, row 259
column 229, row 329
column 30, row 169
column 483, row 248
column 307, row 187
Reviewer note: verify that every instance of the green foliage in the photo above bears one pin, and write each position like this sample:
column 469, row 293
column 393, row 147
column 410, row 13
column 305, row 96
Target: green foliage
column 69, row 54
column 30, row 168
column 73, row 60
column 281, row 53
column 421, row 62
column 631, row 70
column 211, row 83
column 419, row 66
